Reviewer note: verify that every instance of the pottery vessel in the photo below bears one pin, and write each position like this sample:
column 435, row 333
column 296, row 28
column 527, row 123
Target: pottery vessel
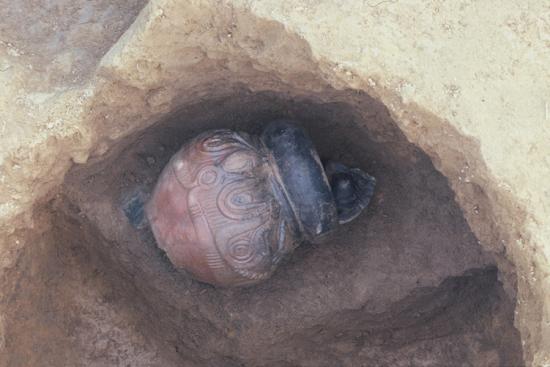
column 229, row 206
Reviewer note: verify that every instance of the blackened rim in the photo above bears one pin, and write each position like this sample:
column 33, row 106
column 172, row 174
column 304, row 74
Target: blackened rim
column 302, row 177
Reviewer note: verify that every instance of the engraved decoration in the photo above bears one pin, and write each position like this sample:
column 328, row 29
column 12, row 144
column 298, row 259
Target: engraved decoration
column 226, row 180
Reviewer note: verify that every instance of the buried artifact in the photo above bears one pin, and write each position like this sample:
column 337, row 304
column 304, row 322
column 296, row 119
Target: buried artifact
column 229, row 205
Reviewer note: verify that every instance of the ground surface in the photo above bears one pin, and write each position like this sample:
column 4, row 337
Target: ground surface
column 466, row 82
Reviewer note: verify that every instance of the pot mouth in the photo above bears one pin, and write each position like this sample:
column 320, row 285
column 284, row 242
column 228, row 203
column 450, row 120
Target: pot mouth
column 301, row 178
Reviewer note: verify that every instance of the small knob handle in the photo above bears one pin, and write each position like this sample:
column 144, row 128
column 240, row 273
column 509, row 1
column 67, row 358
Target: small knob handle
column 352, row 190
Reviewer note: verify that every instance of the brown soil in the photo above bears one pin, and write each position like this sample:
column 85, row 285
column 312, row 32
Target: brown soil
column 406, row 284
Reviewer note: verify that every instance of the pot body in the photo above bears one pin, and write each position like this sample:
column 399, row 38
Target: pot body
column 219, row 210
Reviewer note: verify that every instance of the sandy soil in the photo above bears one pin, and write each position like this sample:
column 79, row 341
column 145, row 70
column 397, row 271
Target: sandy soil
column 446, row 103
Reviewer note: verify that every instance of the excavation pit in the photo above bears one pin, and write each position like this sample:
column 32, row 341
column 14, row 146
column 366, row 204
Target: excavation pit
column 406, row 283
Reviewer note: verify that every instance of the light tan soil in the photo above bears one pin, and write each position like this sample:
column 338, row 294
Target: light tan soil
column 444, row 103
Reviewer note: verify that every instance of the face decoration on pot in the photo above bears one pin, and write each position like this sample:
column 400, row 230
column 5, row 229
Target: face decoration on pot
column 229, row 206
